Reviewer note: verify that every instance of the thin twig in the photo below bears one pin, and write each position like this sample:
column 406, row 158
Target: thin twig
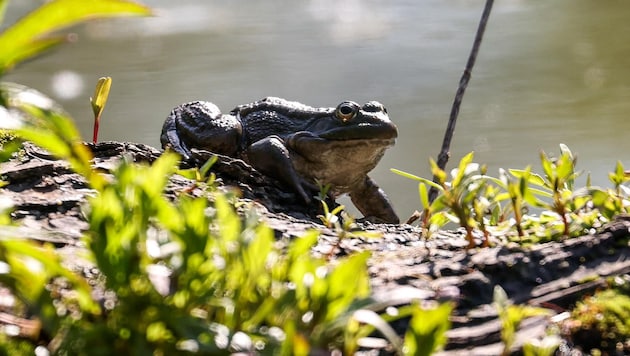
column 463, row 83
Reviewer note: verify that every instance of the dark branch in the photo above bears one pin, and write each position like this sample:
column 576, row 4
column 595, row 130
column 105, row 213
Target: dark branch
column 463, row 83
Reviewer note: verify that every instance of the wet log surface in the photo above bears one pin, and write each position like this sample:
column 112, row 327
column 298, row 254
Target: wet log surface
column 404, row 267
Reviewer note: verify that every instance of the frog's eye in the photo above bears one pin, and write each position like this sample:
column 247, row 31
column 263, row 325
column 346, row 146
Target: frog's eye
column 346, row 111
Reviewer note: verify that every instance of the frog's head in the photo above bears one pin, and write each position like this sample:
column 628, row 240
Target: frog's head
column 350, row 121
column 343, row 145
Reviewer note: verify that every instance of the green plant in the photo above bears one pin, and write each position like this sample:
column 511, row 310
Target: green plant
column 519, row 194
column 427, row 330
column 611, row 201
column 342, row 224
column 456, row 199
column 557, row 184
column 501, row 206
column 98, row 102
column 546, row 346
column 511, row 316
column 35, row 33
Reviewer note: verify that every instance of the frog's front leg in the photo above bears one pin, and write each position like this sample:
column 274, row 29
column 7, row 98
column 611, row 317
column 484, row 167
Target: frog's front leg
column 271, row 157
column 373, row 203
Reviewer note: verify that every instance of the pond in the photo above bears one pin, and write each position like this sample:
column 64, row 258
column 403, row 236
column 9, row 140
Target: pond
column 549, row 72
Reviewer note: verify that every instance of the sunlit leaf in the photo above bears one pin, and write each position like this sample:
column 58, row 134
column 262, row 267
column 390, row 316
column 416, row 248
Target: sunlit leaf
column 417, row 178
column 547, row 166
column 205, row 168
column 227, row 220
column 599, row 197
column 34, row 48
column 3, row 9
column 427, row 330
column 564, row 149
column 369, row 317
column 619, row 176
column 424, row 195
column 462, row 169
column 20, row 40
column 349, row 280
column 439, row 219
column 545, row 347
column 438, row 173
column 565, row 169
column 101, row 93
column 532, row 178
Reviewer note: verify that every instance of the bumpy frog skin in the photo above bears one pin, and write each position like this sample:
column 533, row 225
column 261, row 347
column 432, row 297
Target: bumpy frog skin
column 296, row 144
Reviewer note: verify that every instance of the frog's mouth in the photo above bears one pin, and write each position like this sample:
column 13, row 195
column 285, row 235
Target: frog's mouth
column 360, row 132
column 304, row 141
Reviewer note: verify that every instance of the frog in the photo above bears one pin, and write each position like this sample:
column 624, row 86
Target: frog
column 300, row 146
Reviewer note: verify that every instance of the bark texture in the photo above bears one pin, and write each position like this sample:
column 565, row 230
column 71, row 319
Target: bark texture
column 404, row 266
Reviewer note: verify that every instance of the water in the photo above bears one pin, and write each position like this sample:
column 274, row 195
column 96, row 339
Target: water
column 548, row 73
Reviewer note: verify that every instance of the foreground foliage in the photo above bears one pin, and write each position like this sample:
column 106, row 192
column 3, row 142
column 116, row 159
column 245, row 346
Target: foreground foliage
column 35, row 33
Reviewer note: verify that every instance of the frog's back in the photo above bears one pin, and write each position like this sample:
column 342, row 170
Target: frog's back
column 276, row 116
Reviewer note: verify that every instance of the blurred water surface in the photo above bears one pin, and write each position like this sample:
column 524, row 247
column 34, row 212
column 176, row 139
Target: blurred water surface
column 549, row 72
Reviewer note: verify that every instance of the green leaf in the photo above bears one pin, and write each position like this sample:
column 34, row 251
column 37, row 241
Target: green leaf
column 496, row 181
column 36, row 47
column 424, row 195
column 545, row 347
column 599, row 197
column 564, row 149
column 101, row 93
column 3, row 9
column 461, row 170
column 349, row 280
column 439, row 220
column 547, row 166
column 420, row 179
column 371, row 318
column 619, row 170
column 206, row 166
column 338, row 209
column 532, row 178
column 565, row 169
column 619, row 176
column 427, row 330
column 21, row 40
column 437, row 172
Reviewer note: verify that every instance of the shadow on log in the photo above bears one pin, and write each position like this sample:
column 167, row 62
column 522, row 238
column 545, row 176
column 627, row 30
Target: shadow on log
column 404, row 267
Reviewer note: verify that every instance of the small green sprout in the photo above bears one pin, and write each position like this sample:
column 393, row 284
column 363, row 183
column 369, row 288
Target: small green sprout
column 456, row 199
column 98, row 102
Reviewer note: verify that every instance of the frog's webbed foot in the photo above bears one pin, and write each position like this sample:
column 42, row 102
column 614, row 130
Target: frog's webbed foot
column 271, row 157
column 373, row 203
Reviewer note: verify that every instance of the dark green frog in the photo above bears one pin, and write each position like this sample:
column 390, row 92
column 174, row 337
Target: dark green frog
column 296, row 144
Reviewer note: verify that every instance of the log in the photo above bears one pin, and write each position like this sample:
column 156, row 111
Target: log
column 404, row 267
